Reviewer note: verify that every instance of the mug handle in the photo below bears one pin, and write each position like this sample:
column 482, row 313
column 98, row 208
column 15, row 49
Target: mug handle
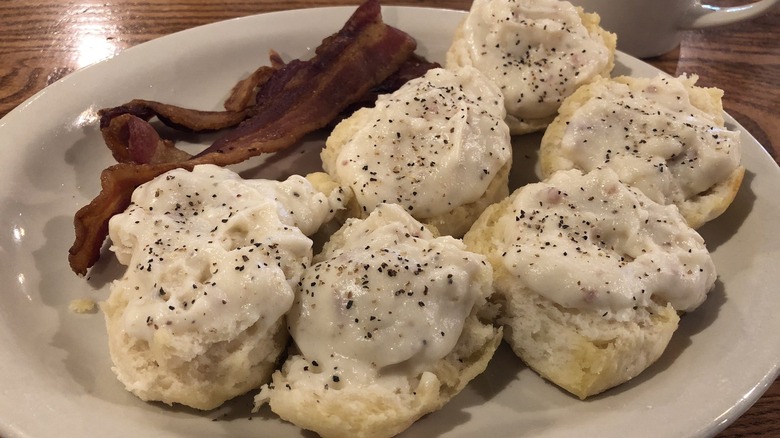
column 701, row 16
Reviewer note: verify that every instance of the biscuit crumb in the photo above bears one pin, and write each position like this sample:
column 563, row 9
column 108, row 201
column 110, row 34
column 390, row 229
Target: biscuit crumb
column 82, row 306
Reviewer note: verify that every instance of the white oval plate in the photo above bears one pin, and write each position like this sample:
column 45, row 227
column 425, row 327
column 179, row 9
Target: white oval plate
column 55, row 373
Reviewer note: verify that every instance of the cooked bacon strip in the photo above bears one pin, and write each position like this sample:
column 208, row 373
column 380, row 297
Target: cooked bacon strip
column 307, row 95
column 242, row 94
column 183, row 119
column 298, row 99
column 412, row 68
column 132, row 139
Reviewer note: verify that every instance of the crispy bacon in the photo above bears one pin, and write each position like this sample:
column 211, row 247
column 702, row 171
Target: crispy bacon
column 298, row 98
column 414, row 67
column 343, row 71
column 132, row 139
column 241, row 97
column 184, row 119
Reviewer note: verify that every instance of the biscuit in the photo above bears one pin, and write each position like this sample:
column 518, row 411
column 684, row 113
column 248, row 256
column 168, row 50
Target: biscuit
column 663, row 135
column 389, row 324
column 590, row 275
column 212, row 260
column 438, row 147
column 537, row 52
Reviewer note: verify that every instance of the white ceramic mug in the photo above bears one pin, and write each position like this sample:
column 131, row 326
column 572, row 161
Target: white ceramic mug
column 648, row 28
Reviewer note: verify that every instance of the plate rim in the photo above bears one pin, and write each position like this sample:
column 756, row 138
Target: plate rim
column 727, row 417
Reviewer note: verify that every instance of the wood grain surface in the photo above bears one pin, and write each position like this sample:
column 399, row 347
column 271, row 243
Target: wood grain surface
column 42, row 41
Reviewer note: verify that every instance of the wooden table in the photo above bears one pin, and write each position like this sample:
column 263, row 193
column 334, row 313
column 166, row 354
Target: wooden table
column 42, row 41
